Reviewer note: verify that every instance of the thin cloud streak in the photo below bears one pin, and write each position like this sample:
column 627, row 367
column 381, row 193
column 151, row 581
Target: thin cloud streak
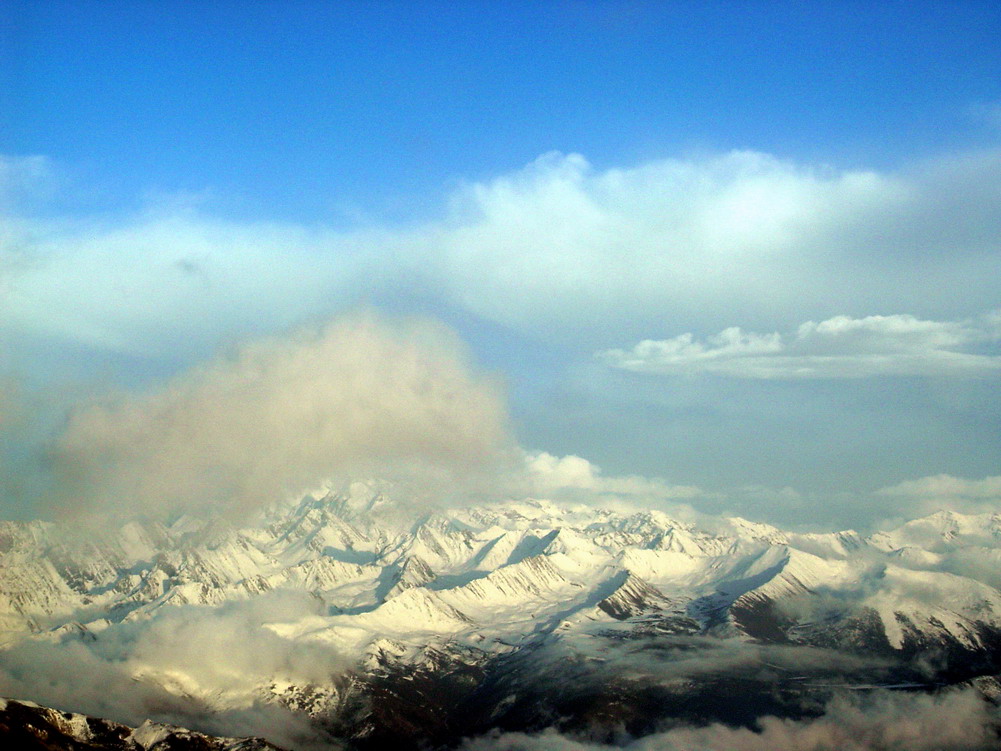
column 840, row 347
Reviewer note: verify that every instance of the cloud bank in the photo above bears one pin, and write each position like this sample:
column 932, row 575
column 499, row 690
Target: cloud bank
column 561, row 243
column 361, row 396
column 840, row 347
column 558, row 250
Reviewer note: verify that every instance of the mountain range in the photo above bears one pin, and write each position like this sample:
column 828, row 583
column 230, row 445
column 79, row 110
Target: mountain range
column 347, row 619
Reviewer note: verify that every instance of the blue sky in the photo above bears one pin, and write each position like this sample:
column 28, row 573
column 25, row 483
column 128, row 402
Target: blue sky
column 307, row 111
column 750, row 249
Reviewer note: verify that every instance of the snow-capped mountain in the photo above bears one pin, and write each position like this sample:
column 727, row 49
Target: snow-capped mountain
column 351, row 617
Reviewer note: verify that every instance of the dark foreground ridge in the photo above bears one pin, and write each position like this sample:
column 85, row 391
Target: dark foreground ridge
column 599, row 717
column 25, row 726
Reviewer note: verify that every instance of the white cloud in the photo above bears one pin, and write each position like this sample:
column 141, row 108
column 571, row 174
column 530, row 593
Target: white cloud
column 562, row 242
column 577, row 477
column 360, row 396
column 947, row 486
column 553, row 472
column 840, row 347
column 557, row 249
column 946, row 492
column 169, row 284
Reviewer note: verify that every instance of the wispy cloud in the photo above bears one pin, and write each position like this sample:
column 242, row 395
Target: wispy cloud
column 24, row 179
column 987, row 113
column 840, row 347
column 947, row 486
column 946, row 492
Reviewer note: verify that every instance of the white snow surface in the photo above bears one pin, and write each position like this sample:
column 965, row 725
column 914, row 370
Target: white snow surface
column 391, row 581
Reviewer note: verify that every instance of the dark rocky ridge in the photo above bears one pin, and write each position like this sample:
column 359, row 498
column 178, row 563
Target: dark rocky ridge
column 28, row 727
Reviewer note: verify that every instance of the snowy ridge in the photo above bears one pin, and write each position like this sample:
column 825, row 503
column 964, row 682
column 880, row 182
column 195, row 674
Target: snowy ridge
column 485, row 560
column 943, row 531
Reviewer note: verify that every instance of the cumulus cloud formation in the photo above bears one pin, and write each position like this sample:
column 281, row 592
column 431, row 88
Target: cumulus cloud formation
column 558, row 249
column 960, row 721
column 576, row 476
column 560, row 230
column 562, row 242
column 840, row 347
column 359, row 396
